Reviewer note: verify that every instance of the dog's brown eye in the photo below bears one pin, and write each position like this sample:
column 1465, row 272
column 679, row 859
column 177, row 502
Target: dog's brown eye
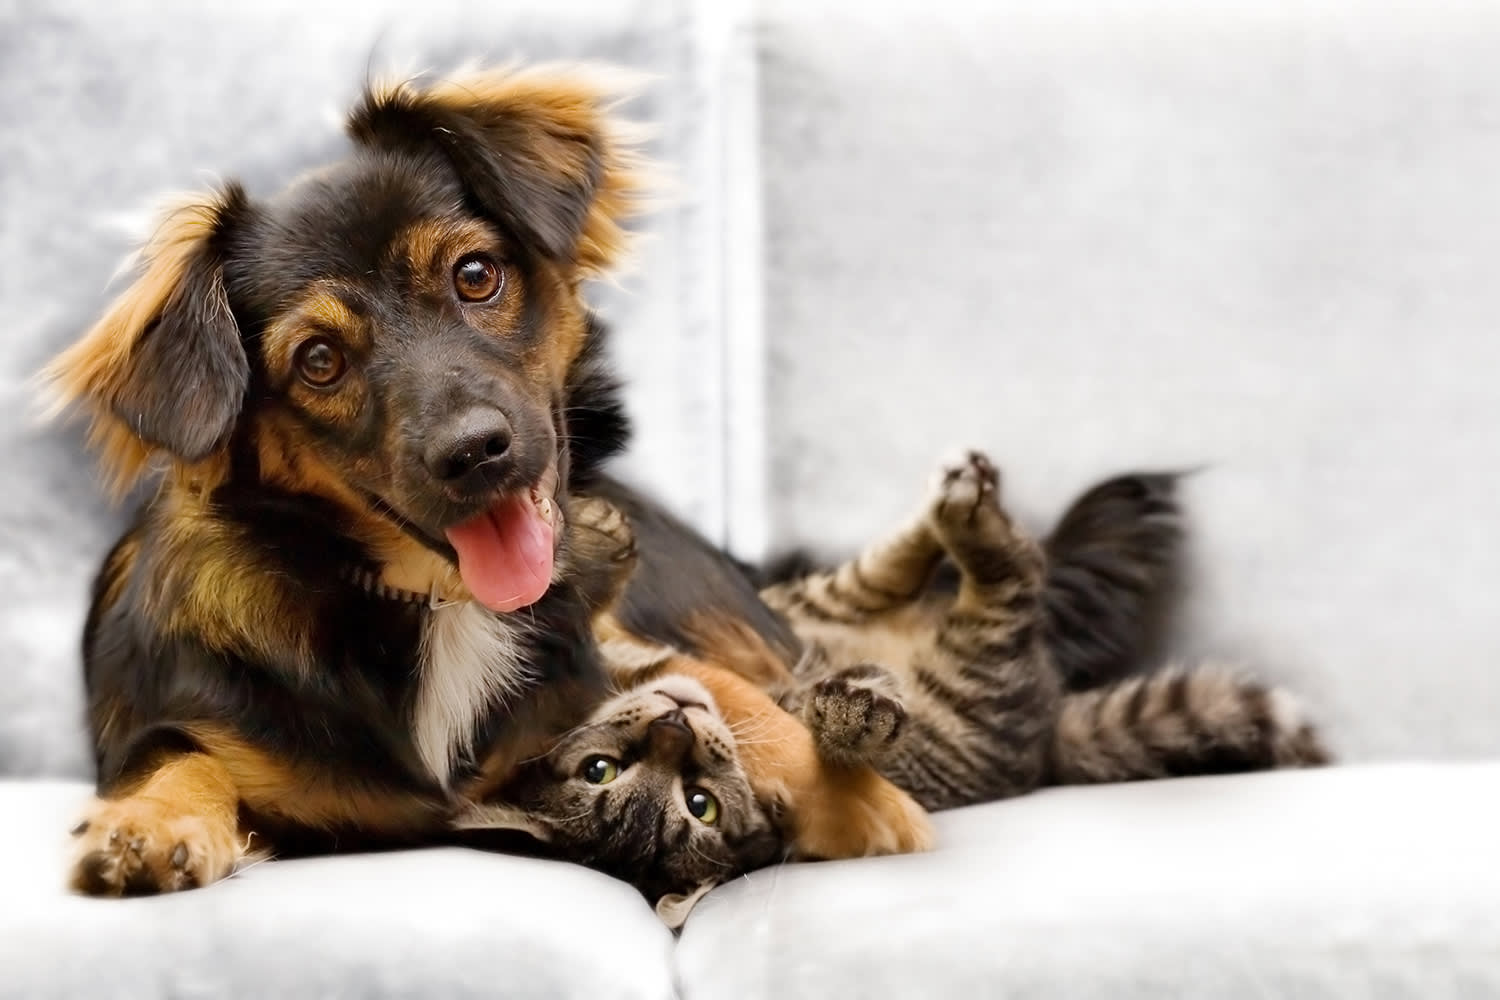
column 476, row 278
column 320, row 362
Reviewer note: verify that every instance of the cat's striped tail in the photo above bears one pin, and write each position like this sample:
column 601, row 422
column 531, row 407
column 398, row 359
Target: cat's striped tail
column 1178, row 722
column 1113, row 564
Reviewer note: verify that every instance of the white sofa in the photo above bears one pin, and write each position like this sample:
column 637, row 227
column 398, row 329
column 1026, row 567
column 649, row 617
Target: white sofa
column 1086, row 235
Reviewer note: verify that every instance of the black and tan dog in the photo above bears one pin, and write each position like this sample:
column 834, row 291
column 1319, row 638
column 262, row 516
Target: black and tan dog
column 349, row 605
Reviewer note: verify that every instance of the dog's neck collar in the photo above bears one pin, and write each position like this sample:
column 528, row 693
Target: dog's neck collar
column 369, row 581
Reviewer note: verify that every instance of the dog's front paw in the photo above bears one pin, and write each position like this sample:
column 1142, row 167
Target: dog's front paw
column 136, row 846
column 855, row 714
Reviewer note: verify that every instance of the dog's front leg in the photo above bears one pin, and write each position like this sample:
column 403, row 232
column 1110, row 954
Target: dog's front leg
column 178, row 828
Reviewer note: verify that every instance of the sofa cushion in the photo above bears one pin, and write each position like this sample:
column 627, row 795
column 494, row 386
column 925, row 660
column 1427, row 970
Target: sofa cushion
column 1342, row 882
column 446, row 922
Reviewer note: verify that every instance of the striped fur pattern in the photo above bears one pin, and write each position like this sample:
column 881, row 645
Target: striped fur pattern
column 1113, row 567
column 1209, row 720
column 962, row 686
column 954, row 693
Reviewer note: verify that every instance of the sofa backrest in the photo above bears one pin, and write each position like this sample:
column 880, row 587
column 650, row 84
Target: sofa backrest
column 1260, row 238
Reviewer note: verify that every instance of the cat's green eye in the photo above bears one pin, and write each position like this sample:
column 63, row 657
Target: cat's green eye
column 599, row 770
column 702, row 805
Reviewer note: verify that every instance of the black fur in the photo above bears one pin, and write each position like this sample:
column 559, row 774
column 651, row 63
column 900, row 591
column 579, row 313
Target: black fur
column 546, row 211
column 186, row 379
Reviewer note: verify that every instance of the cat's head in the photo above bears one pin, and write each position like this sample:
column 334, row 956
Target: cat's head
column 651, row 790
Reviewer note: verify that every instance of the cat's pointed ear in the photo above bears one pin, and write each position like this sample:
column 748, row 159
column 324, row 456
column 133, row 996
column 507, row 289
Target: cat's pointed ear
column 674, row 907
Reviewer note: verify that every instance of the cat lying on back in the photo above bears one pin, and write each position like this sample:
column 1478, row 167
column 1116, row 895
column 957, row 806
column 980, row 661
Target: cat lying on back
column 951, row 691
column 692, row 774
column 699, row 769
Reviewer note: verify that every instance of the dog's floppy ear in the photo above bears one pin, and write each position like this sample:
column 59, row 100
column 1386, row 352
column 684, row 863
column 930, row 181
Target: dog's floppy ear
column 164, row 369
column 537, row 149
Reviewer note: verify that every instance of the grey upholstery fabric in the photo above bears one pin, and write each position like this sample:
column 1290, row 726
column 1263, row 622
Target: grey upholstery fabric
column 1362, row 881
column 431, row 923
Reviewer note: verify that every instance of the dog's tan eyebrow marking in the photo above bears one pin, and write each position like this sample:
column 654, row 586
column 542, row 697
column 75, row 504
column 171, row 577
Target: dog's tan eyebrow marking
column 430, row 246
column 324, row 309
column 328, row 309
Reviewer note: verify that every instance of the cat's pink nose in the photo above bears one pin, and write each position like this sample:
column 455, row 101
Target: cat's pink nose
column 670, row 737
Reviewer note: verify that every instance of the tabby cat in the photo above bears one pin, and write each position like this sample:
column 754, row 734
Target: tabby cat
column 952, row 692
column 691, row 774
column 944, row 683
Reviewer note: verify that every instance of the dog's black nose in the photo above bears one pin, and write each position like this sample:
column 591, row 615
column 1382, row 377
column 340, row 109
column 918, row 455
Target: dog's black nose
column 469, row 447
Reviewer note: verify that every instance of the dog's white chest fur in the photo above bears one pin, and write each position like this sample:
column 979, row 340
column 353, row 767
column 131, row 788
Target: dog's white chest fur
column 471, row 660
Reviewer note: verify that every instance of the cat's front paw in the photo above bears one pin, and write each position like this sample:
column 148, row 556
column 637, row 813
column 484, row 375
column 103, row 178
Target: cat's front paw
column 136, row 846
column 964, row 489
column 855, row 714
column 973, row 528
column 603, row 530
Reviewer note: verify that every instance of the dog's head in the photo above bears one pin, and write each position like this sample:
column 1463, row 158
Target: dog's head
column 397, row 334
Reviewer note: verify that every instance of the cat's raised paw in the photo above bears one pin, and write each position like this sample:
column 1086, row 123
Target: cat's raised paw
column 964, row 488
column 856, row 714
column 138, row 846
column 604, row 530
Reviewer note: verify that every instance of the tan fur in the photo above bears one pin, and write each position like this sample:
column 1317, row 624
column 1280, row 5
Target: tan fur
column 223, row 597
column 836, row 811
column 89, row 373
column 740, row 649
column 312, row 799
column 177, row 829
column 564, row 106
column 116, row 571
column 321, row 311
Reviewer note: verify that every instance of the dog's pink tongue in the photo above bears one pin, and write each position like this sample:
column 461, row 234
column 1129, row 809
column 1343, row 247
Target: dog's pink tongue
column 505, row 554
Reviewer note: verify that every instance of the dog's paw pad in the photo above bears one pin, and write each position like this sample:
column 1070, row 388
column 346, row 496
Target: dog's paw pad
column 141, row 846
